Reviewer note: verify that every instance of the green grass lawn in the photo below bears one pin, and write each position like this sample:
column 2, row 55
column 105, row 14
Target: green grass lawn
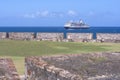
column 17, row 50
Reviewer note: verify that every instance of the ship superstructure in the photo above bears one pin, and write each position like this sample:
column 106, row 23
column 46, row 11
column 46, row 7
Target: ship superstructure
column 76, row 25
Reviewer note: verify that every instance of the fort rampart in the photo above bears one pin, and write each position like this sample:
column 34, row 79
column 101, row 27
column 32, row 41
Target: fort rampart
column 96, row 66
column 2, row 35
column 38, row 69
column 21, row 36
column 108, row 37
column 75, row 37
column 79, row 37
column 8, row 70
column 50, row 36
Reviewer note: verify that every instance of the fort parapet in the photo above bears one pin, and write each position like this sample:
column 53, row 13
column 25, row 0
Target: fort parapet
column 50, row 36
column 75, row 37
column 79, row 37
column 108, row 37
column 21, row 35
column 2, row 35
column 8, row 70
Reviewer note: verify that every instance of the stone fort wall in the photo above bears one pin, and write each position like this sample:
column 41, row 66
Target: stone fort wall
column 108, row 37
column 94, row 66
column 21, row 36
column 75, row 37
column 2, row 35
column 8, row 70
column 50, row 36
column 79, row 37
column 38, row 69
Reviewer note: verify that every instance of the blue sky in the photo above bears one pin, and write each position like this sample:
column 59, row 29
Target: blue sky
column 56, row 13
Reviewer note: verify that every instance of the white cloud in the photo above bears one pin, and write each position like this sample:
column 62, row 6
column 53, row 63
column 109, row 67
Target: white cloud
column 57, row 14
column 37, row 14
column 46, row 13
column 72, row 13
column 29, row 16
column 61, row 15
column 91, row 13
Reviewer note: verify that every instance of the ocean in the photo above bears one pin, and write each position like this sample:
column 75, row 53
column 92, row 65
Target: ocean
column 56, row 29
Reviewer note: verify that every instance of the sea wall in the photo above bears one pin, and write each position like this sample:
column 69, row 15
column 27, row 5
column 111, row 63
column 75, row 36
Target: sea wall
column 2, row 35
column 21, row 35
column 50, row 36
column 94, row 66
column 79, row 37
column 70, row 37
column 108, row 37
column 8, row 70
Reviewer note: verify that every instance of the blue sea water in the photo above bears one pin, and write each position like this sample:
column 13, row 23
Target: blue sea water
column 93, row 30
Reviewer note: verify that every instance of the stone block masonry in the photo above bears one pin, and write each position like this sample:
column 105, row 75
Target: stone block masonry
column 50, row 36
column 70, row 37
column 79, row 37
column 108, row 37
column 2, row 35
column 94, row 66
column 8, row 70
column 21, row 36
column 38, row 69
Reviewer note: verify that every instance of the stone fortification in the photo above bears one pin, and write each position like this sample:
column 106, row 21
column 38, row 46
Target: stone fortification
column 79, row 37
column 50, row 36
column 21, row 36
column 108, row 37
column 38, row 69
column 96, row 66
column 2, row 35
column 8, row 70
column 75, row 37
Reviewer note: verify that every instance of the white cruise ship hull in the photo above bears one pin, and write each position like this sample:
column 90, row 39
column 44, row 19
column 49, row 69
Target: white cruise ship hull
column 76, row 27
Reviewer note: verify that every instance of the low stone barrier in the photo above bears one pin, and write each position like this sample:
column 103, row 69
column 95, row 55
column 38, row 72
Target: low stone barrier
column 108, row 37
column 40, row 70
column 50, row 36
column 79, row 37
column 21, row 36
column 8, row 70
column 2, row 35
column 94, row 66
column 70, row 37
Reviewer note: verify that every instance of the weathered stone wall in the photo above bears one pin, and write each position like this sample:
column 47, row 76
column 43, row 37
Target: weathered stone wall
column 50, row 36
column 75, row 37
column 38, row 69
column 8, row 70
column 21, row 36
column 79, row 37
column 96, row 66
column 2, row 35
column 108, row 37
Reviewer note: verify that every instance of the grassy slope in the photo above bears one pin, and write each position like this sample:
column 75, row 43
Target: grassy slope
column 19, row 49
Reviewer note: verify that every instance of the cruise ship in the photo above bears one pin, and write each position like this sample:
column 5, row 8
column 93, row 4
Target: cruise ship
column 76, row 25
